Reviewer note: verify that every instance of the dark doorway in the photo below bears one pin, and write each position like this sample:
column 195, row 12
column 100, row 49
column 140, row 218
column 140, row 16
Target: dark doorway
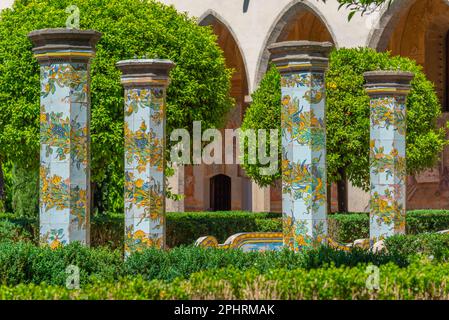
column 220, row 193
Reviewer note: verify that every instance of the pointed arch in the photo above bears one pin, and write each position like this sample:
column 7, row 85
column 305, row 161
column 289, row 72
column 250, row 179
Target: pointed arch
column 287, row 27
column 380, row 36
column 229, row 43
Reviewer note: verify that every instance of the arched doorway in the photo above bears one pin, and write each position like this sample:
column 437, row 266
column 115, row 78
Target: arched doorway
column 220, row 193
column 419, row 30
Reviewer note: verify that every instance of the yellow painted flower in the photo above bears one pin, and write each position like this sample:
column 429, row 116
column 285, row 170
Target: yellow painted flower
column 394, row 152
column 286, row 100
column 139, row 183
column 56, row 180
column 55, row 244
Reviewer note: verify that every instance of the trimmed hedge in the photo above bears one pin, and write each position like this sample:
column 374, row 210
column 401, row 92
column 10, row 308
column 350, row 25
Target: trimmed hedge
column 185, row 228
column 182, row 228
column 417, row 281
column 24, row 262
column 349, row 227
column 27, row 263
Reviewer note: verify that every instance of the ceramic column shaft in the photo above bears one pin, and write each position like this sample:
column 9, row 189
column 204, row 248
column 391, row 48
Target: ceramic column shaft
column 145, row 82
column 302, row 65
column 388, row 91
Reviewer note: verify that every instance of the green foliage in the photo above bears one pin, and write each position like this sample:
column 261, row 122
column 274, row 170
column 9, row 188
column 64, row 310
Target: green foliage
column 25, row 191
column 432, row 245
column 263, row 113
column 348, row 116
column 415, row 282
column 362, row 6
column 12, row 231
column 26, row 263
column 182, row 262
column 23, row 262
column 186, row 228
column 349, row 227
column 199, row 89
column 346, row 228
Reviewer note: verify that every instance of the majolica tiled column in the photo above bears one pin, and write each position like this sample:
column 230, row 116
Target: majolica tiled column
column 388, row 91
column 302, row 65
column 64, row 56
column 145, row 83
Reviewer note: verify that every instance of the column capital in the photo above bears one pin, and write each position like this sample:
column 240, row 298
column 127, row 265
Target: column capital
column 145, row 72
column 384, row 82
column 291, row 56
column 64, row 45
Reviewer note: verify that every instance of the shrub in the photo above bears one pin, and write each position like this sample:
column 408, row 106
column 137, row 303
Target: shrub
column 346, row 228
column 182, row 262
column 417, row 281
column 186, row 228
column 348, row 116
column 434, row 246
column 25, row 263
column 349, row 227
column 12, row 231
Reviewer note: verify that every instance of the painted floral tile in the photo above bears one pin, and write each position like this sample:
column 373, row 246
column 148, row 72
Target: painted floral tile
column 144, row 174
column 304, row 159
column 64, row 138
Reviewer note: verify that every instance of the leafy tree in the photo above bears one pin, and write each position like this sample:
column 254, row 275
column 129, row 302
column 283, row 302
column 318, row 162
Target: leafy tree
column 348, row 116
column 199, row 89
column 362, row 6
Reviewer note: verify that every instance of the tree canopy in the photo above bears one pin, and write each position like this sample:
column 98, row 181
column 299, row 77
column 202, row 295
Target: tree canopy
column 348, row 128
column 199, row 88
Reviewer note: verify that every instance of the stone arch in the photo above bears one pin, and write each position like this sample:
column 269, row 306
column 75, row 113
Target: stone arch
column 380, row 36
column 417, row 30
column 198, row 193
column 227, row 42
column 287, row 26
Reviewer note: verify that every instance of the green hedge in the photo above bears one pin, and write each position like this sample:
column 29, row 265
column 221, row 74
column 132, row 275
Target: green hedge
column 182, row 228
column 349, row 227
column 185, row 228
column 23, row 262
column 26, row 263
column 417, row 281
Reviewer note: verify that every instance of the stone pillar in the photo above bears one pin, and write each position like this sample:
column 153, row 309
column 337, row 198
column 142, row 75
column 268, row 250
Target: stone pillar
column 304, row 192
column 145, row 83
column 64, row 56
column 388, row 91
